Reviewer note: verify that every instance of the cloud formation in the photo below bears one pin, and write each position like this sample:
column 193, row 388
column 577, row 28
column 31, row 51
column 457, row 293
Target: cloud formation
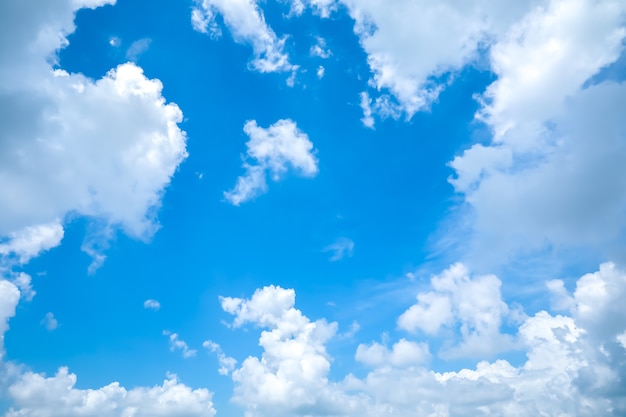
column 280, row 148
column 71, row 145
column 246, row 23
column 575, row 364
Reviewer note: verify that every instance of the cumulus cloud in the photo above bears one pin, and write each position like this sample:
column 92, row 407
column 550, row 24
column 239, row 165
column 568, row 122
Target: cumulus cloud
column 413, row 46
column 456, row 298
column 71, row 145
column 551, row 176
column 575, row 363
column 177, row 344
column 246, row 23
column 31, row 394
column 274, row 150
column 9, row 297
column 36, row 395
column 402, row 354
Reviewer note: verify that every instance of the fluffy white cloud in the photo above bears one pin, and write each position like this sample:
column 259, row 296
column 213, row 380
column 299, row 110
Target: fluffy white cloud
column 474, row 303
column 291, row 376
column 29, row 242
column 551, row 176
column 275, row 149
column 246, row 22
column 35, row 395
column 404, row 353
column 72, row 145
column 177, row 344
column 227, row 364
column 9, row 297
column 575, row 364
column 413, row 44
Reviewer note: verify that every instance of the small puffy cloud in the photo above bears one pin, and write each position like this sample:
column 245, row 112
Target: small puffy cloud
column 322, row 8
column 227, row 364
column 402, row 354
column 137, row 48
column 341, row 248
column 274, row 150
column 50, row 322
column 30, row 241
column 151, row 305
column 35, row 395
column 245, row 20
column 320, row 72
column 456, row 298
column 115, row 41
column 177, row 344
column 320, row 49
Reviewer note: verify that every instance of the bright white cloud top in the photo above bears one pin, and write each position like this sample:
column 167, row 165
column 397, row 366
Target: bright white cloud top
column 475, row 147
column 276, row 150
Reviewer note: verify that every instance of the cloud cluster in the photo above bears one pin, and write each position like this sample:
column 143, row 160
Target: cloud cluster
column 71, row 145
column 276, row 149
column 246, row 23
column 35, row 395
column 551, row 175
column 575, row 364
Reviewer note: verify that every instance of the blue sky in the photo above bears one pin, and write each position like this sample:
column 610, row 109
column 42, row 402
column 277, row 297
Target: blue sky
column 312, row 207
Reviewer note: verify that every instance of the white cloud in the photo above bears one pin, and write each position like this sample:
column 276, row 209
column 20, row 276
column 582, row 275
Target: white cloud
column 320, row 49
column 9, row 297
column 177, row 344
column 23, row 281
column 341, row 248
column 551, row 176
column 227, row 364
column 320, row 72
column 35, row 395
column 152, row 305
column 245, row 20
column 366, row 107
column 402, row 354
column 277, row 149
column 560, row 299
column 322, row 8
column 137, row 48
column 574, row 363
column 412, row 44
column 104, row 148
column 50, row 322
column 456, row 298
column 291, row 375
column 30, row 241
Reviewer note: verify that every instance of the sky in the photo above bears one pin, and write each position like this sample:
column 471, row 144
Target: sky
column 307, row 208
